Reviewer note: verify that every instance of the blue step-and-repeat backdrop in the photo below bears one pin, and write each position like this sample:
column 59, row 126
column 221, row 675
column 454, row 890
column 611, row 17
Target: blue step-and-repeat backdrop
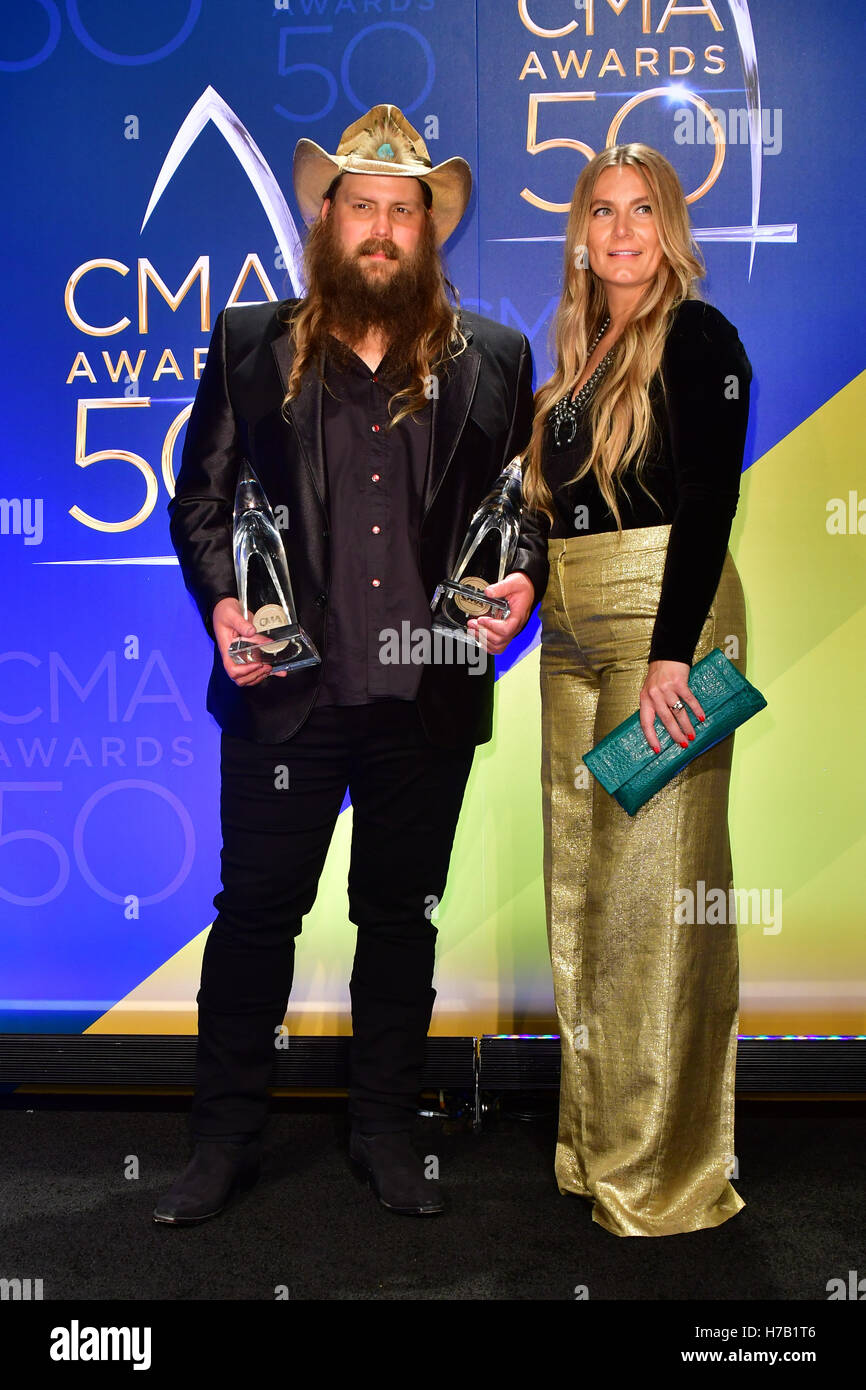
column 147, row 152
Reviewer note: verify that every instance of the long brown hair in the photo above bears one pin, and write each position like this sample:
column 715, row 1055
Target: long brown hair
column 423, row 338
column 620, row 410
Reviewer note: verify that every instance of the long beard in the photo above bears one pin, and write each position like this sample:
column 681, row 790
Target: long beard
column 401, row 304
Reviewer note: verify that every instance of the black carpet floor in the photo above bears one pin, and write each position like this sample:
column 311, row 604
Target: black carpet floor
column 75, row 1214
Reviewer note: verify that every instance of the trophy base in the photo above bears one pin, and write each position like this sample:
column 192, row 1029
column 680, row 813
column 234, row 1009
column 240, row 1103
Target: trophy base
column 459, row 634
column 472, row 602
column 287, row 648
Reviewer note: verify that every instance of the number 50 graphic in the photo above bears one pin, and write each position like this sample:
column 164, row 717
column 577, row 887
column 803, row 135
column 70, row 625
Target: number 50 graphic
column 83, row 459
column 61, row 855
column 536, row 146
column 89, row 42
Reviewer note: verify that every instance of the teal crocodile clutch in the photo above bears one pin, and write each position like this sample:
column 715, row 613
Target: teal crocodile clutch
column 627, row 767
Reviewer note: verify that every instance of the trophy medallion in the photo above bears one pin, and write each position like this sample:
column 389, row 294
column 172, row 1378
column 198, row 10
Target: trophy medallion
column 475, row 607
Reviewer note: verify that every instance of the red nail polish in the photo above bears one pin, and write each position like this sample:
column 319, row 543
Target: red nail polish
column 692, row 737
column 702, row 718
column 684, row 745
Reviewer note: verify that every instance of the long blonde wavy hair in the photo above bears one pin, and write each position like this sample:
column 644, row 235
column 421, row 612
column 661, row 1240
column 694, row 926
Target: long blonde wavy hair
column 620, row 410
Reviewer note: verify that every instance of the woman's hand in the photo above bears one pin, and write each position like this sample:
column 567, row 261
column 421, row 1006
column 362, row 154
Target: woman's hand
column 667, row 683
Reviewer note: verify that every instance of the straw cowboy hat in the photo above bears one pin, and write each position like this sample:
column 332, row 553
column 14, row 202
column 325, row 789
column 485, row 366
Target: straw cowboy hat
column 383, row 142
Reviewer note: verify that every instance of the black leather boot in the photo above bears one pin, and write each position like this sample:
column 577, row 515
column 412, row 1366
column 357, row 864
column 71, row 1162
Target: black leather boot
column 396, row 1173
column 215, row 1171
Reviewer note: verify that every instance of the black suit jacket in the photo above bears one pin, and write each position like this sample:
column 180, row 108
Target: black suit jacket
column 481, row 419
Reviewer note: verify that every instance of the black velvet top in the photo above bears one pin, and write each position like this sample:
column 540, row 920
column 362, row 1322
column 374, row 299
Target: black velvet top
column 693, row 471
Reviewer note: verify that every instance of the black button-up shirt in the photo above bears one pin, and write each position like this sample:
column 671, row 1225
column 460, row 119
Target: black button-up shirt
column 375, row 479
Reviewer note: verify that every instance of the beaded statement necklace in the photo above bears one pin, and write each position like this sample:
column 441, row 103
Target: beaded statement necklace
column 566, row 412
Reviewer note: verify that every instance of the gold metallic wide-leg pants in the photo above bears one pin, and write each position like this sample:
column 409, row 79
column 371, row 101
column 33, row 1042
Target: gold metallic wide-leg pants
column 647, row 1008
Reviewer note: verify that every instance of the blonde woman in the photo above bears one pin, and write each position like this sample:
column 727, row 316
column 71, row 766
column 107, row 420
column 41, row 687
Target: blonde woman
column 635, row 459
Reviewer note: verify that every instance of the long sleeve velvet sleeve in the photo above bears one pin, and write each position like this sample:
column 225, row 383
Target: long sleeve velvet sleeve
column 707, row 378
column 200, row 512
column 531, row 554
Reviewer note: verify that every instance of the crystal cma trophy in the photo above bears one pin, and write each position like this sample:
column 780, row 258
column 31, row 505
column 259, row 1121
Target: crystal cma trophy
column 485, row 558
column 264, row 587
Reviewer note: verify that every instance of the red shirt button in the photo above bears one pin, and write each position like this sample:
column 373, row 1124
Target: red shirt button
column 374, row 477
column 375, row 429
column 375, row 530
column 375, row 583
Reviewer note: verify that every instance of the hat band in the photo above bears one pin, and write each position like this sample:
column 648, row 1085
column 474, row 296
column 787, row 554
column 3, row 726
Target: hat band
column 357, row 164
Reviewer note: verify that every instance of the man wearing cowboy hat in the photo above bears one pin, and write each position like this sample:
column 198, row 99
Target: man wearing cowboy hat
column 378, row 417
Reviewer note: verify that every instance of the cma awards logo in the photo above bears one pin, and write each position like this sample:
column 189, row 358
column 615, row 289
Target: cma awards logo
column 681, row 60
column 209, row 107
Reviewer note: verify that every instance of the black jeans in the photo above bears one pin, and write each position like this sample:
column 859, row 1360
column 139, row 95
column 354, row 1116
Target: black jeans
column 406, row 797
